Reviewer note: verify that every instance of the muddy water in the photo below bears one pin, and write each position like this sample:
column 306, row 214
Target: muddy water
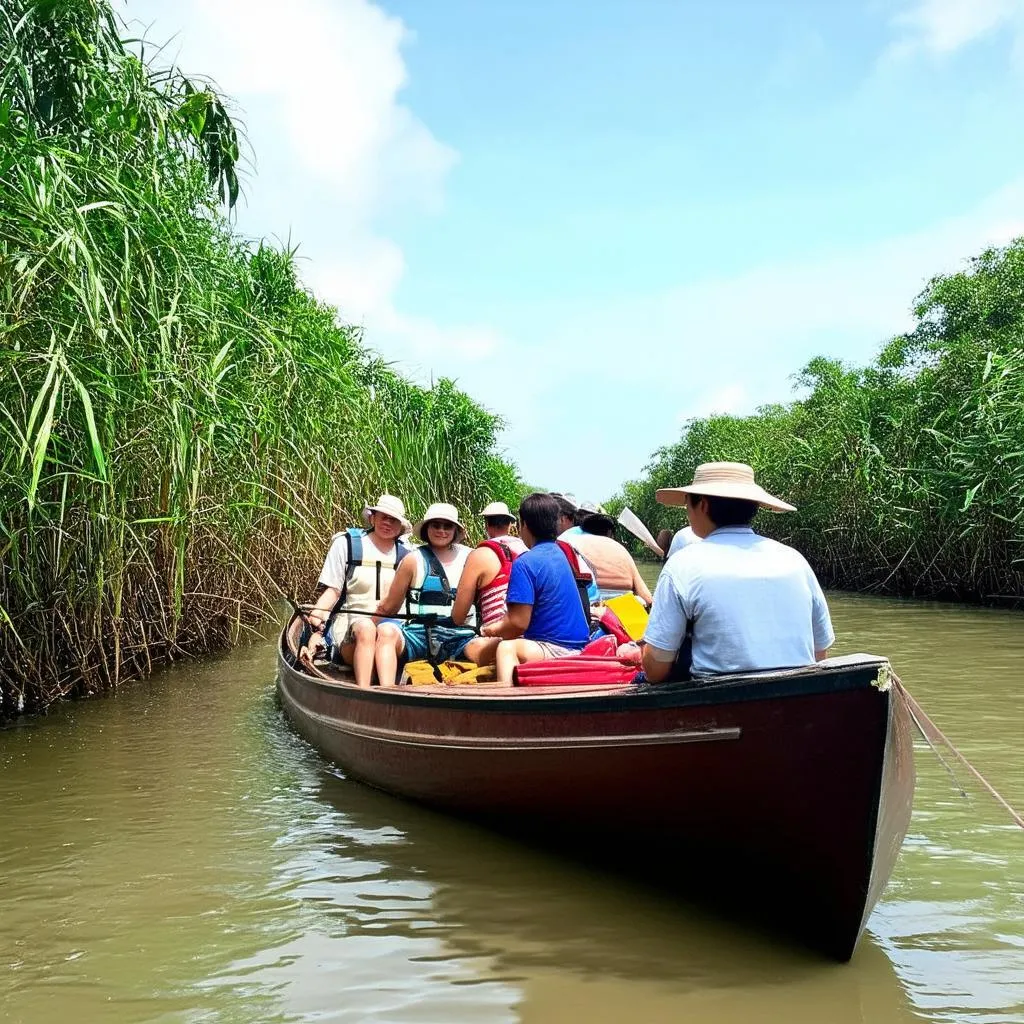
column 175, row 854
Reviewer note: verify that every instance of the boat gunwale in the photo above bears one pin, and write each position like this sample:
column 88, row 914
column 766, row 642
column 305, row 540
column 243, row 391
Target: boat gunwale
column 851, row 672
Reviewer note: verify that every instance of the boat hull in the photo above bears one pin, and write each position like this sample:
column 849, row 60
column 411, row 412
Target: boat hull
column 784, row 796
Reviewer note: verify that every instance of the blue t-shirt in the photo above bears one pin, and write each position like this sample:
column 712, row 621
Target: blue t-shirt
column 543, row 578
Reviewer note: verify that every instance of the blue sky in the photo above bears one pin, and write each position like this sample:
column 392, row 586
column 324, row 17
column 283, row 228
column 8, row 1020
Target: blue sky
column 606, row 218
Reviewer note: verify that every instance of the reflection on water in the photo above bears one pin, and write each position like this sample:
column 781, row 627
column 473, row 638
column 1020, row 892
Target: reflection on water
column 176, row 854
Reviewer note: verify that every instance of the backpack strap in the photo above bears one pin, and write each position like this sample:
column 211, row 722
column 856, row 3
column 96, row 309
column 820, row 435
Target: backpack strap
column 353, row 547
column 353, row 555
column 583, row 579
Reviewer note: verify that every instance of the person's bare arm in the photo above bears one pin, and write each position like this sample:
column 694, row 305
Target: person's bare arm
column 640, row 587
column 392, row 601
column 321, row 611
column 820, row 655
column 657, row 663
column 469, row 583
column 513, row 625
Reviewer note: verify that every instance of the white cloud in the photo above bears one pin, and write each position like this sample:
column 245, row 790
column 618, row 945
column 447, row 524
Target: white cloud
column 318, row 87
column 943, row 26
column 730, row 343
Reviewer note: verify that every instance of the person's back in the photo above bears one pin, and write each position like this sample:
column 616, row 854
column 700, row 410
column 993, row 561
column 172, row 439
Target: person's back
column 751, row 603
column 614, row 569
column 754, row 603
column 490, row 582
column 543, row 578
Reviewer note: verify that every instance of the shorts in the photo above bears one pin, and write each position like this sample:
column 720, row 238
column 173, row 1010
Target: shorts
column 552, row 650
column 452, row 641
column 348, row 621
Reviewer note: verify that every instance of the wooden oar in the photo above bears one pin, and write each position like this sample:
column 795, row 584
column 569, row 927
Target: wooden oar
column 931, row 731
column 629, row 520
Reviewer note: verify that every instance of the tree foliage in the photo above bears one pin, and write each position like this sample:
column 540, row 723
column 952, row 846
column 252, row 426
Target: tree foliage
column 907, row 473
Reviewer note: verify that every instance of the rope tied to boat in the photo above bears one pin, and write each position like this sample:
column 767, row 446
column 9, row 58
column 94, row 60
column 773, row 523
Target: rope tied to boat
column 930, row 731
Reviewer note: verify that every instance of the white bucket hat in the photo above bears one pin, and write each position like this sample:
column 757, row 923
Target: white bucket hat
column 390, row 506
column 724, row 480
column 441, row 510
column 498, row 510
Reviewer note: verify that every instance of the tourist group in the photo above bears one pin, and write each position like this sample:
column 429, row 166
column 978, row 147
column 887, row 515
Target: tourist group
column 540, row 587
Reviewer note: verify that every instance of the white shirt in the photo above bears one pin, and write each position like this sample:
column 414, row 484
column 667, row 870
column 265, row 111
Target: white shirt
column 681, row 539
column 754, row 603
column 336, row 562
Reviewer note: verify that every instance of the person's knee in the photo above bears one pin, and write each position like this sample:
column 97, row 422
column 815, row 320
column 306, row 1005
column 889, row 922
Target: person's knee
column 364, row 629
column 387, row 634
column 480, row 651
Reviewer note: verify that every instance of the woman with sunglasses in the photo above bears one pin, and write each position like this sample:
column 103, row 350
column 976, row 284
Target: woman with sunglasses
column 425, row 584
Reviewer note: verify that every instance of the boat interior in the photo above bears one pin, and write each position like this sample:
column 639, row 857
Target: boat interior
column 340, row 675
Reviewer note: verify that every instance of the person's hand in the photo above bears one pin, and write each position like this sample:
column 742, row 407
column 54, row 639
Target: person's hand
column 317, row 617
column 314, row 646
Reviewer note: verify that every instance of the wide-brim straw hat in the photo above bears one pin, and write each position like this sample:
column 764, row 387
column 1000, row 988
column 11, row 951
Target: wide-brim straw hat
column 498, row 510
column 390, row 506
column 724, row 480
column 441, row 510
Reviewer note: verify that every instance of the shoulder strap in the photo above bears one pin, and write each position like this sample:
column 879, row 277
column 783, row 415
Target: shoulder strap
column 435, row 568
column 505, row 554
column 583, row 579
column 400, row 552
column 574, row 562
column 354, row 544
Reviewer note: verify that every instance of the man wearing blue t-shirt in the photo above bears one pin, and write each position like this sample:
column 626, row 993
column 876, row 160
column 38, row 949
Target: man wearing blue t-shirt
column 544, row 614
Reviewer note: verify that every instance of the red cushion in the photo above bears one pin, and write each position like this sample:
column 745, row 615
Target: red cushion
column 581, row 671
column 603, row 646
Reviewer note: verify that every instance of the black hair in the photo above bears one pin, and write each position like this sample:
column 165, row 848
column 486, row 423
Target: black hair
column 565, row 507
column 539, row 512
column 496, row 521
column 599, row 525
column 727, row 511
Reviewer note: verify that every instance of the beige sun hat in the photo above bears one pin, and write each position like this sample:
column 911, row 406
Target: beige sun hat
column 441, row 510
column 390, row 506
column 497, row 510
column 724, row 480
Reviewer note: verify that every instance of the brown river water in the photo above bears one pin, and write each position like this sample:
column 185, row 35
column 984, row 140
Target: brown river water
column 176, row 854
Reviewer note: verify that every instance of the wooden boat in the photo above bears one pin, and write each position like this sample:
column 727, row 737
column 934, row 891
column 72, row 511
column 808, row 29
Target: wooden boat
column 783, row 796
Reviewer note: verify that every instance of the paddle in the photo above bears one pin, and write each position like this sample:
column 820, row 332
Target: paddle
column 629, row 520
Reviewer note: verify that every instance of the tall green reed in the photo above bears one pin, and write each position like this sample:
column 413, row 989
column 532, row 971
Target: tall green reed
column 182, row 425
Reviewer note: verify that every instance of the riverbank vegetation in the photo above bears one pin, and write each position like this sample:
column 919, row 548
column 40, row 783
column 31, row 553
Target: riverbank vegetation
column 908, row 473
column 182, row 425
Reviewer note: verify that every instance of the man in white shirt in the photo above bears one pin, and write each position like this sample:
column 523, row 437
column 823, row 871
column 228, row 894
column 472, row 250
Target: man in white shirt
column 751, row 603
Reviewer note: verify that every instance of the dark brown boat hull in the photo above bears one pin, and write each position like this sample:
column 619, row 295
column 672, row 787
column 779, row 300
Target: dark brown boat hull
column 785, row 796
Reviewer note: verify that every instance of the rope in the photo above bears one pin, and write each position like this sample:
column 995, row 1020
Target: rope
column 921, row 720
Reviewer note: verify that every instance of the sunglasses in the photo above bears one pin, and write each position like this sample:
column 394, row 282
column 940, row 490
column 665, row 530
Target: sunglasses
column 440, row 524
